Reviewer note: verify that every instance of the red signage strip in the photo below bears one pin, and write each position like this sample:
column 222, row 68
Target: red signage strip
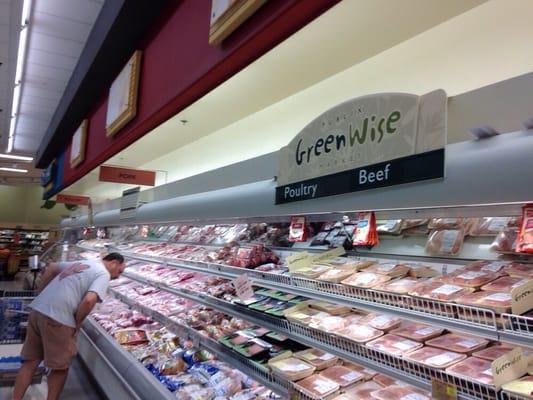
column 126, row 175
column 73, row 199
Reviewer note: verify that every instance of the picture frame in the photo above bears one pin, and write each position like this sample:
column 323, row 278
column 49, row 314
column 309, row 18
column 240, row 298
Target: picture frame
column 228, row 15
column 78, row 144
column 123, row 93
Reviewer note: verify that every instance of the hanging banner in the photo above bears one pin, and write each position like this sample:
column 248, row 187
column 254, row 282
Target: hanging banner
column 365, row 143
column 73, row 199
column 127, row 175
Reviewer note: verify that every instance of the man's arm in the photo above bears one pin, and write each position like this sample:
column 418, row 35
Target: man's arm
column 50, row 272
column 85, row 307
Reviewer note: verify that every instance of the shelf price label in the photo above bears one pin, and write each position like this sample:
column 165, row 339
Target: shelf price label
column 509, row 367
column 243, row 287
column 522, row 298
column 443, row 391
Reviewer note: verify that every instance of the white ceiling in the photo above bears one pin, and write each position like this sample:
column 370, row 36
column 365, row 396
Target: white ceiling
column 58, row 31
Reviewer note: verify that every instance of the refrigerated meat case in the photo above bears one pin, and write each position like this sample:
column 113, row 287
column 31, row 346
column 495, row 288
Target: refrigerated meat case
column 482, row 180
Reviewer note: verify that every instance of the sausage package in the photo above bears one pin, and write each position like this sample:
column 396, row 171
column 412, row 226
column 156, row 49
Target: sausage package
column 525, row 237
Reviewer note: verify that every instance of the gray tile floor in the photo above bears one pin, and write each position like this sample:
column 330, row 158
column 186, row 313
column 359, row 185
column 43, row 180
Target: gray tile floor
column 79, row 385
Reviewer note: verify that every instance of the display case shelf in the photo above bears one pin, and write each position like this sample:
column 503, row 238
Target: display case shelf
column 467, row 319
column 398, row 368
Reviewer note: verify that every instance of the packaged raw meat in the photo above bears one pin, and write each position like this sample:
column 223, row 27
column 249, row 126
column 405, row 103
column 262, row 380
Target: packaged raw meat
column 301, row 313
column 397, row 392
column 389, row 226
column 384, row 380
column 418, row 332
column 486, row 266
column 342, row 376
column 519, row 270
column 504, row 284
column 505, row 241
column 330, row 308
column 458, row 343
column 359, row 333
column 329, row 324
column 437, row 290
column 317, row 387
column 348, row 262
column 421, row 230
column 445, row 242
column 368, row 374
column 525, row 235
column 383, row 322
column 411, row 223
column 131, row 336
column 393, row 270
column 434, row 357
column 522, row 387
column 362, row 391
column 298, row 230
column 365, row 279
column 317, row 358
column 496, row 301
column 422, row 271
column 446, row 223
column 473, row 368
column 489, row 226
column 493, row 352
column 313, row 271
column 473, row 279
column 400, row 286
column 291, row 368
column 336, row 275
column 395, row 345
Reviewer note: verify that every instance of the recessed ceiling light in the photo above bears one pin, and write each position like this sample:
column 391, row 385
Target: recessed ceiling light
column 14, row 157
column 13, row 169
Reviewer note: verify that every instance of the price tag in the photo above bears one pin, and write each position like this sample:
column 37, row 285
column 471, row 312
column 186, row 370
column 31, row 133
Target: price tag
column 509, row 367
column 243, row 287
column 522, row 298
column 443, row 391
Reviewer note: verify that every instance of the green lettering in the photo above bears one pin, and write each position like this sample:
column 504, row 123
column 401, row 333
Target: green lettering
column 393, row 118
column 330, row 139
column 355, row 134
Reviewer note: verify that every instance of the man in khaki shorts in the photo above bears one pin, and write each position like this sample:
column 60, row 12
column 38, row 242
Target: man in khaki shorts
column 70, row 292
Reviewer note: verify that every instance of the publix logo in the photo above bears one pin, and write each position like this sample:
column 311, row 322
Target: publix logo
column 371, row 130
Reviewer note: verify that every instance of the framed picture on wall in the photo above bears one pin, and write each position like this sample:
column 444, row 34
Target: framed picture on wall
column 122, row 99
column 227, row 15
column 77, row 147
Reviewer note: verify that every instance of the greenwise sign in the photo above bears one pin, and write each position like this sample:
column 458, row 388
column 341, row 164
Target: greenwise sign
column 368, row 142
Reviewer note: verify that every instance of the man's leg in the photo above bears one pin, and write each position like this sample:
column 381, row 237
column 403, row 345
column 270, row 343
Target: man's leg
column 56, row 382
column 24, row 377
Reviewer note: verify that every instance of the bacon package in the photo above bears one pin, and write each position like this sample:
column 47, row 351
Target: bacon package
column 458, row 343
column 366, row 233
column 445, row 242
column 473, row 368
column 395, row 345
column 525, row 236
column 435, row 358
column 418, row 332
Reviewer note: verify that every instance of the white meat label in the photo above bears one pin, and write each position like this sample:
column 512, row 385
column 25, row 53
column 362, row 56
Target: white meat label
column 447, row 289
column 499, row 297
column 425, row 331
column 322, row 386
column 387, row 267
column 414, row 396
column 403, row 345
column 494, row 266
column 351, row 376
column 448, row 240
column 293, row 367
column 497, row 224
column 520, row 283
column 469, row 343
column 327, row 357
column 471, row 275
column 441, row 359
column 487, row 372
column 382, row 320
column 365, row 278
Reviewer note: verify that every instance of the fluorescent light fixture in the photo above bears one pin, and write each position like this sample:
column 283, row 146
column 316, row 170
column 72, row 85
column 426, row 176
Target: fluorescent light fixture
column 21, row 55
column 13, row 169
column 14, row 157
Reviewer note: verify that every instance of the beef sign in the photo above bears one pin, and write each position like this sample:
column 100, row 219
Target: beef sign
column 365, row 143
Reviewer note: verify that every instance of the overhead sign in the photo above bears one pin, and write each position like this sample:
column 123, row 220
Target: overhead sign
column 73, row 199
column 365, row 143
column 127, row 175
column 129, row 203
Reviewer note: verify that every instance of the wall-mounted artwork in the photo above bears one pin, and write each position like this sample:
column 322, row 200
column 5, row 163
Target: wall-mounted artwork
column 77, row 147
column 227, row 15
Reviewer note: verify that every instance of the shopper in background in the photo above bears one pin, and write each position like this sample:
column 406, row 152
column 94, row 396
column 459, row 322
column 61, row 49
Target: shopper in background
column 69, row 292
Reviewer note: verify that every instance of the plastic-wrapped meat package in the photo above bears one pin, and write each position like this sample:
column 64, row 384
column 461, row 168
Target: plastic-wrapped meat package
column 366, row 279
column 342, row 376
column 383, row 322
column 522, row 387
column 422, row 271
column 446, row 223
column 437, row 290
column 505, row 241
column 435, row 358
column 496, row 301
column 397, row 392
column 368, row 373
column 411, row 223
column 330, row 308
column 418, row 332
column 504, row 284
column 291, row 368
column 384, row 380
column 525, row 234
column 399, row 286
column 195, row 392
column 131, row 336
column 393, row 270
column 490, row 226
column 458, row 343
column 473, row 279
column 395, row 345
column 445, row 242
column 359, row 333
column 473, row 368
column 420, row 230
column 493, row 352
column 519, row 270
column 317, row 358
column 317, row 387
column 329, row 323
column 496, row 267
column 336, row 274
column 362, row 391
column 303, row 315
column 390, row 226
